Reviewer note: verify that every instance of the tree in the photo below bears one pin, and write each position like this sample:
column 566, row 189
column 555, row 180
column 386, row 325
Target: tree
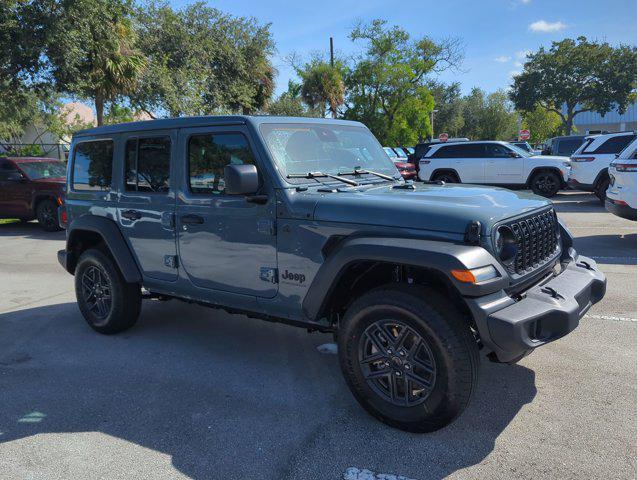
column 322, row 84
column 488, row 117
column 290, row 103
column 387, row 82
column 576, row 76
column 448, row 103
column 202, row 61
column 542, row 124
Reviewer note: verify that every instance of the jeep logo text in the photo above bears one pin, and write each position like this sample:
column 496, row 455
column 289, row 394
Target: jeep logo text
column 293, row 277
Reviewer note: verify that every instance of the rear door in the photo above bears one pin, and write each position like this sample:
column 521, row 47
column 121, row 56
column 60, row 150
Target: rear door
column 15, row 196
column 466, row 159
column 226, row 242
column 146, row 202
column 502, row 168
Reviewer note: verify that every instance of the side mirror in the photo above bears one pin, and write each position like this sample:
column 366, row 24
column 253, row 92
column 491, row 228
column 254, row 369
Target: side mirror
column 514, row 154
column 240, row 179
column 16, row 177
column 546, row 152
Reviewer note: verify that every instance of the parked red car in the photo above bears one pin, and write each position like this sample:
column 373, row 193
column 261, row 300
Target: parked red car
column 32, row 188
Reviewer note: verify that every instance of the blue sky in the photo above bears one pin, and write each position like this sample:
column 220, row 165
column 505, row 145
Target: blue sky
column 496, row 33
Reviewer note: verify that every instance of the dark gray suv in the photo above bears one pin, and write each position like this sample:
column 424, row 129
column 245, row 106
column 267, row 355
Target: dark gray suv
column 308, row 222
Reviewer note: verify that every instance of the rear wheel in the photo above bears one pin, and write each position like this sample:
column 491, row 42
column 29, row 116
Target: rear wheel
column 546, row 184
column 47, row 214
column 601, row 189
column 108, row 303
column 447, row 177
column 408, row 357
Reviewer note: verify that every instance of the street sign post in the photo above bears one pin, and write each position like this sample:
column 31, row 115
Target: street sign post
column 524, row 135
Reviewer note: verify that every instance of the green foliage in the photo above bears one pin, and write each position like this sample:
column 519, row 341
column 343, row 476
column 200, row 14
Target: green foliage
column 448, row 103
column 488, row 117
column 290, row 104
column 386, row 85
column 91, row 50
column 322, row 84
column 202, row 61
column 542, row 123
column 118, row 114
column 580, row 75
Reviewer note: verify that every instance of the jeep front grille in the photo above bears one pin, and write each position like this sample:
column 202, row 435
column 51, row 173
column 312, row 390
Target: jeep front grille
column 536, row 237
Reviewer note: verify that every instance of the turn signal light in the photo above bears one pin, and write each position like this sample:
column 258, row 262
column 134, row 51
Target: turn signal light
column 475, row 275
column 625, row 167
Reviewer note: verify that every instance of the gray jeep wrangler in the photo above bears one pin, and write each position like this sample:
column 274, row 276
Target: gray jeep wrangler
column 308, row 222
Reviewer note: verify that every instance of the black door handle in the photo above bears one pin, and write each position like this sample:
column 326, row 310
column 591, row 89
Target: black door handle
column 260, row 199
column 131, row 214
column 192, row 220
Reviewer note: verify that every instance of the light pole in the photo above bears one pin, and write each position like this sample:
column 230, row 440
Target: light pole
column 432, row 123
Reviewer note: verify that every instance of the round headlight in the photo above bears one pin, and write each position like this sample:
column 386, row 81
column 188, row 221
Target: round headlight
column 505, row 245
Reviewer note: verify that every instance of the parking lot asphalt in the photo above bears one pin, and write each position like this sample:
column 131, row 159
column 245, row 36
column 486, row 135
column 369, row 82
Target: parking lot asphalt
column 197, row 393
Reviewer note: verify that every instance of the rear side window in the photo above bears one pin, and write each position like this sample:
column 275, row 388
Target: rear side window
column 208, row 154
column 567, row 146
column 614, row 144
column 7, row 170
column 93, row 165
column 460, row 151
column 148, row 165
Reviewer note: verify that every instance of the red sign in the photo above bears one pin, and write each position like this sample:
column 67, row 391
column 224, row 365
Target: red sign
column 524, row 135
column 443, row 137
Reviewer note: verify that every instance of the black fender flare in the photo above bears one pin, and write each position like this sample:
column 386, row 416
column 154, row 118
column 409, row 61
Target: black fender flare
column 435, row 255
column 603, row 173
column 113, row 239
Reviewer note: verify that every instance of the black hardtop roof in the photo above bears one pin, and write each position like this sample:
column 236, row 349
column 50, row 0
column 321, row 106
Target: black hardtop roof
column 186, row 122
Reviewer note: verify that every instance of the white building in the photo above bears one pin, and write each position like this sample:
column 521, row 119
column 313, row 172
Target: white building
column 586, row 122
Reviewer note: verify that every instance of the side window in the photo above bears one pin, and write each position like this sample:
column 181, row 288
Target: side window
column 148, row 165
column 6, row 170
column 209, row 153
column 567, row 146
column 475, row 150
column 495, row 150
column 615, row 144
column 93, row 165
column 444, row 152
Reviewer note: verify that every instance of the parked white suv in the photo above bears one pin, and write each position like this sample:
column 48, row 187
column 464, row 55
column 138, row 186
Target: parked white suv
column 621, row 196
column 494, row 163
column 589, row 163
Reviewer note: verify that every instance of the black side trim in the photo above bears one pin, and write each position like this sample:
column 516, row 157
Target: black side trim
column 435, row 255
column 113, row 239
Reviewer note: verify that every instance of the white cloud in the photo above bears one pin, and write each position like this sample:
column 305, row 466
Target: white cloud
column 514, row 73
column 502, row 59
column 542, row 26
column 525, row 2
column 521, row 55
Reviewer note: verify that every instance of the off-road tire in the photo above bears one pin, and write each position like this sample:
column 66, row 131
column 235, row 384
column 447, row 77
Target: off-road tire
column 449, row 339
column 545, row 184
column 447, row 177
column 125, row 298
column 600, row 191
column 47, row 215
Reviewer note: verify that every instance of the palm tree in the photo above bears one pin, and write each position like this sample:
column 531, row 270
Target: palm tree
column 323, row 85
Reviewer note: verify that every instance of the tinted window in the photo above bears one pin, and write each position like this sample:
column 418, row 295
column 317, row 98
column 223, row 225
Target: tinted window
column 475, row 150
column 208, row 155
column 567, row 146
column 495, row 150
column 148, row 164
column 93, row 165
column 7, row 169
column 614, row 144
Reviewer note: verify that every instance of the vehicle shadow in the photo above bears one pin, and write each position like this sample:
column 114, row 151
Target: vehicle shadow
column 224, row 396
column 577, row 203
column 619, row 249
column 29, row 230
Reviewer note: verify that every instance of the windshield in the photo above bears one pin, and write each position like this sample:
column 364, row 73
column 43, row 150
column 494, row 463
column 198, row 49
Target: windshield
column 519, row 151
column 523, row 146
column 390, row 152
column 329, row 148
column 39, row 170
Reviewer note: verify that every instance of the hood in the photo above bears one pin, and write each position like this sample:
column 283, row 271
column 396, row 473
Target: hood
column 444, row 208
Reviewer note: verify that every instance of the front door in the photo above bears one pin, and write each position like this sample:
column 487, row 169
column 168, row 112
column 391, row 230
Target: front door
column 146, row 203
column 501, row 167
column 226, row 242
column 15, row 194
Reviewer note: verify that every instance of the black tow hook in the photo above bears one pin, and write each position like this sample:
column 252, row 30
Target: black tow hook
column 585, row 265
column 552, row 292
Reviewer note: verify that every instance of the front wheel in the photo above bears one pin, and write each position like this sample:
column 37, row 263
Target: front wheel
column 47, row 214
column 108, row 303
column 546, row 184
column 446, row 177
column 409, row 357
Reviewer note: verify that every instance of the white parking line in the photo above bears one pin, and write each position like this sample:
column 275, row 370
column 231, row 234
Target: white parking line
column 353, row 473
column 631, row 259
column 611, row 317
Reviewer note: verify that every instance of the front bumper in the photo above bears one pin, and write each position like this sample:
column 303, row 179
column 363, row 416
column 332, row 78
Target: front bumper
column 621, row 210
column 547, row 311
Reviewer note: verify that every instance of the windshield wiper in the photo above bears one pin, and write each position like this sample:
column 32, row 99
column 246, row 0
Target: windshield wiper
column 359, row 171
column 316, row 175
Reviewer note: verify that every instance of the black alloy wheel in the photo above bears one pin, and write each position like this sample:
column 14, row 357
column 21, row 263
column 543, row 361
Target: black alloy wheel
column 545, row 184
column 96, row 292
column 47, row 213
column 397, row 363
column 446, row 178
